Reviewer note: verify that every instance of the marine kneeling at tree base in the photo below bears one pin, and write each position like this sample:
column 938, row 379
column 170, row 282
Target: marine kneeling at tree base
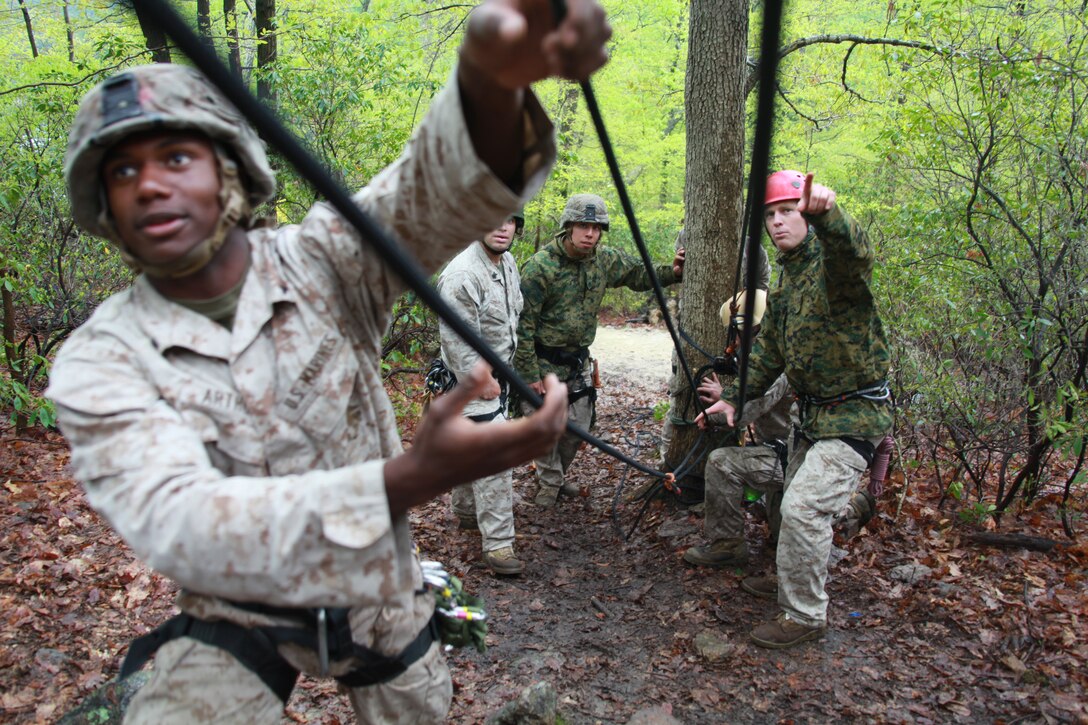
column 757, row 469
column 823, row 332
column 227, row 414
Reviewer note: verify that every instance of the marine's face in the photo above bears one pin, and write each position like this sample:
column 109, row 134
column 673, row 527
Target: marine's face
column 163, row 193
column 786, row 226
column 582, row 239
column 499, row 240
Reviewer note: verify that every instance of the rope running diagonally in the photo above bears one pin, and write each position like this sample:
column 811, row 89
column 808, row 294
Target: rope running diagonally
column 401, row 261
column 409, row 269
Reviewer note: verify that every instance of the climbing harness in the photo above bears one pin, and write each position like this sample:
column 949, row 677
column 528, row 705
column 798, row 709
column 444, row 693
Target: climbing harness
column 879, row 392
column 326, row 631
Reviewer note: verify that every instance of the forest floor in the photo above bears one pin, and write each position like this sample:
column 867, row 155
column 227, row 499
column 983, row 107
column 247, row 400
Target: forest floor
column 924, row 625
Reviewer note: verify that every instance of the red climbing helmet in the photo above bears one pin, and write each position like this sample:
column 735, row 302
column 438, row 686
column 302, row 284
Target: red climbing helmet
column 784, row 186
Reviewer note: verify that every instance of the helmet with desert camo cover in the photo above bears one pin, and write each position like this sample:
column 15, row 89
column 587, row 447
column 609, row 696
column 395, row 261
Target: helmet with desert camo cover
column 164, row 97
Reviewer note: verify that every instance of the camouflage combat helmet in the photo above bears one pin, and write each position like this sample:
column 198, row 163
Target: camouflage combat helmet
column 163, row 97
column 519, row 220
column 585, row 208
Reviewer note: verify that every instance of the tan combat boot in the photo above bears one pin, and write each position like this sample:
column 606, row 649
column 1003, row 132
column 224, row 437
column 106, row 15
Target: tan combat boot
column 546, row 496
column 858, row 513
column 783, row 633
column 726, row 552
column 503, row 562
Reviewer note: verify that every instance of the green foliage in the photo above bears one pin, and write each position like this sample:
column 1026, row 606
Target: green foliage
column 977, row 513
column 661, row 409
column 412, row 338
column 955, row 490
column 23, row 403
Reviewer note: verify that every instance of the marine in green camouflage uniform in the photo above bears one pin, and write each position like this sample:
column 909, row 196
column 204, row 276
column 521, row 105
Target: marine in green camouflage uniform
column 823, row 331
column 563, row 285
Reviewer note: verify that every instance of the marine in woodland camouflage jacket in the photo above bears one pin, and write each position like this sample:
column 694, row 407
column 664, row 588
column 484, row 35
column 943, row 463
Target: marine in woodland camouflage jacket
column 822, row 329
column 563, row 296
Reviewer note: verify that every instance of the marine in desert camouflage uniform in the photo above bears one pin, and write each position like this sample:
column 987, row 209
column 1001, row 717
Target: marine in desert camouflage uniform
column 227, row 414
column 823, row 331
column 483, row 286
column 563, row 285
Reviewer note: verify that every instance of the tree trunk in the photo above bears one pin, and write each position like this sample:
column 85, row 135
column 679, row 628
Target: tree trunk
column 230, row 23
column 204, row 21
column 8, row 326
column 16, row 367
column 265, row 20
column 70, row 35
column 713, row 194
column 29, row 28
column 154, row 37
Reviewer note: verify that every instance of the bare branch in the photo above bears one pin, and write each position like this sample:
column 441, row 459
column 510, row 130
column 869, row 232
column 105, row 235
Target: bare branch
column 72, row 84
column 828, row 39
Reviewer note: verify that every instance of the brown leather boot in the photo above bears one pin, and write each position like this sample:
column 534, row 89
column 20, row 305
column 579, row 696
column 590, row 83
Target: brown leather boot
column 726, row 552
column 765, row 587
column 783, row 633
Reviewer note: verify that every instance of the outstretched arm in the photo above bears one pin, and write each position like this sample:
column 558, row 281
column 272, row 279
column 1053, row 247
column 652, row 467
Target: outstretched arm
column 509, row 45
column 450, row 449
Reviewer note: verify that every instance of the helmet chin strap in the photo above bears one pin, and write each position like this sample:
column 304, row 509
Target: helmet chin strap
column 236, row 210
column 496, row 252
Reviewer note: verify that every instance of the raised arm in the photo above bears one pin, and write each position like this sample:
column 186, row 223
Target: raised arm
column 510, row 45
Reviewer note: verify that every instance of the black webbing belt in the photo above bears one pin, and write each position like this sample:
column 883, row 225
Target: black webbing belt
column 504, row 393
column 575, row 361
column 256, row 647
column 562, row 356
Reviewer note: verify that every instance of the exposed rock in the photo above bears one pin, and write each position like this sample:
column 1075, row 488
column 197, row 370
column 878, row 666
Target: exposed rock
column 536, row 705
column 107, row 704
column 712, row 647
column 653, row 716
column 677, row 527
column 910, row 573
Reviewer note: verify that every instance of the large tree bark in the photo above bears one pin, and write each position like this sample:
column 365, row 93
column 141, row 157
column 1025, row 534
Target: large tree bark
column 265, row 20
column 713, row 192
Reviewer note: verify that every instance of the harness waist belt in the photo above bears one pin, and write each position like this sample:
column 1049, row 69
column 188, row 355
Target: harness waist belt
column 878, row 392
column 575, row 359
column 325, row 631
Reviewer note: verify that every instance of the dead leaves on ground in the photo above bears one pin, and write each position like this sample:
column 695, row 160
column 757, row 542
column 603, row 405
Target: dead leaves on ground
column 985, row 634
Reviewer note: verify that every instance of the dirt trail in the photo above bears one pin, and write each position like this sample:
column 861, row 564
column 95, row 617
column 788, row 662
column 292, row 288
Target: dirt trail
column 641, row 355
